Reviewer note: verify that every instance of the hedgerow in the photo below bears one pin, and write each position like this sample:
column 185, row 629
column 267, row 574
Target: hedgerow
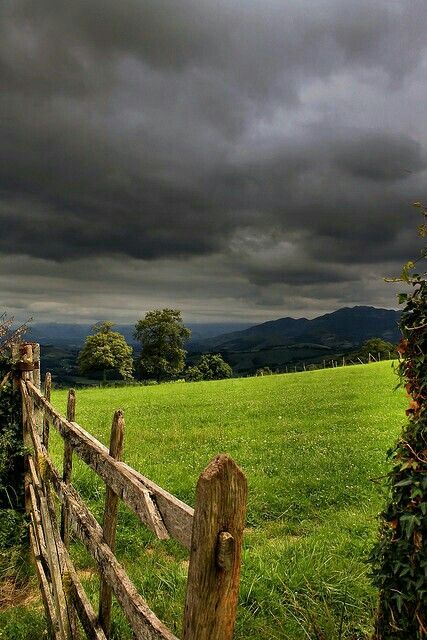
column 400, row 556
column 11, row 443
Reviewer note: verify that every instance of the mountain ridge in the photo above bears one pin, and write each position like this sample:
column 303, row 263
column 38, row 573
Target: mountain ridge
column 279, row 342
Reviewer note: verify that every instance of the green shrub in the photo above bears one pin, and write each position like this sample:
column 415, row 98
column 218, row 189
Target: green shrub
column 400, row 556
column 11, row 445
column 209, row 367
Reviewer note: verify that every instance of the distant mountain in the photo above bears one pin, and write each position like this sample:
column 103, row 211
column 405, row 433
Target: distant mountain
column 73, row 335
column 290, row 340
column 278, row 344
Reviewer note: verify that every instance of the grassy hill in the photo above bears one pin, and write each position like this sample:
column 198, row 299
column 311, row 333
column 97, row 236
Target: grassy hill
column 311, row 444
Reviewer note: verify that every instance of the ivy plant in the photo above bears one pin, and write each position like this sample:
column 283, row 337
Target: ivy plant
column 399, row 558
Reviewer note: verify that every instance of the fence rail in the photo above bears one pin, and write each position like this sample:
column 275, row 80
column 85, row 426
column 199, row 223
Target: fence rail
column 212, row 531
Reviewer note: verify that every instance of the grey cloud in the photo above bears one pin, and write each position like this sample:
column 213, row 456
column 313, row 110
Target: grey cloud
column 377, row 156
column 155, row 131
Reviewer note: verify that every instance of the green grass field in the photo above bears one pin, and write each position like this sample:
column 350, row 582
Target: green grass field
column 312, row 446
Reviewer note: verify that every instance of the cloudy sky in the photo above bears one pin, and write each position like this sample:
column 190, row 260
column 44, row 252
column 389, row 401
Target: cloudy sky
column 237, row 159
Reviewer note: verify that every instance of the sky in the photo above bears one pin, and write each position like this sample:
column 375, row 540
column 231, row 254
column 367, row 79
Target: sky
column 241, row 160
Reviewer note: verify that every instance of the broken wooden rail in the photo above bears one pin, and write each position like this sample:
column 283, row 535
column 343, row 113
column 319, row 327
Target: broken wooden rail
column 212, row 532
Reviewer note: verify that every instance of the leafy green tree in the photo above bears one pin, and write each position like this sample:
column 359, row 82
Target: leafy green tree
column 193, row 374
column 210, row 367
column 375, row 346
column 106, row 350
column 162, row 335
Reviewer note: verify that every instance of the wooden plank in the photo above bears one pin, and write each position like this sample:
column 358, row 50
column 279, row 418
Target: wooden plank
column 81, row 603
column 145, row 624
column 67, row 469
column 48, row 525
column 176, row 516
column 26, row 355
column 214, row 570
column 35, row 378
column 36, row 362
column 37, row 524
column 54, row 561
column 47, row 393
column 65, row 577
column 76, row 594
column 110, row 520
column 54, row 630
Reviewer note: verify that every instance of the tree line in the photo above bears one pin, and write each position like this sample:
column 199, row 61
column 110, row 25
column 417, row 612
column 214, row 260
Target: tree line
column 162, row 337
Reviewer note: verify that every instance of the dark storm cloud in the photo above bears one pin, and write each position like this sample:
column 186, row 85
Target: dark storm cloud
column 274, row 143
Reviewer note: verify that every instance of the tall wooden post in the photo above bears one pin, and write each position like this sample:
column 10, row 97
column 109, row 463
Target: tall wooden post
column 26, row 369
column 36, row 362
column 110, row 520
column 47, row 392
column 67, row 469
column 215, row 556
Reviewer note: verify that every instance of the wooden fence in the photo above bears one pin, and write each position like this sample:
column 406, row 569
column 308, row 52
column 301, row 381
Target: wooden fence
column 212, row 532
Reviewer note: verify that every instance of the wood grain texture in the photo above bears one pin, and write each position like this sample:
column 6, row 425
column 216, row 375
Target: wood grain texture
column 213, row 531
column 68, row 469
column 52, row 621
column 48, row 521
column 54, row 562
column 26, row 356
column 65, row 575
column 214, row 570
column 144, row 623
column 110, row 520
column 75, row 593
column 47, row 393
column 175, row 516
column 36, row 361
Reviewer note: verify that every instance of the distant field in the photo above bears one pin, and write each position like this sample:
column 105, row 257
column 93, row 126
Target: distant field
column 311, row 445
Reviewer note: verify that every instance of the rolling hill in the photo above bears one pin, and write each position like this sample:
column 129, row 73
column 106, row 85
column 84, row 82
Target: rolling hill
column 286, row 342
column 290, row 341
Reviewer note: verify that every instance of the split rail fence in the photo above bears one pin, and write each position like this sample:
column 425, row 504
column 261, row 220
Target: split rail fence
column 212, row 532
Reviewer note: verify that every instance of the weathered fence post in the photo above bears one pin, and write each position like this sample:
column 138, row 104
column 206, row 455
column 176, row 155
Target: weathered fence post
column 215, row 556
column 67, row 469
column 47, row 392
column 36, row 362
column 26, row 368
column 29, row 366
column 110, row 520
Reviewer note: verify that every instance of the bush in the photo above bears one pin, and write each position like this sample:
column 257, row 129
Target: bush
column 400, row 556
column 375, row 347
column 11, row 444
column 210, row 367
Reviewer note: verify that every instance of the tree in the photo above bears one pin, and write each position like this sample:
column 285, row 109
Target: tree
column 162, row 335
column 210, row 367
column 106, row 350
column 375, row 346
column 399, row 558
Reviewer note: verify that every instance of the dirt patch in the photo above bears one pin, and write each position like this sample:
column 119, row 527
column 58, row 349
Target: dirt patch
column 13, row 594
column 87, row 574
